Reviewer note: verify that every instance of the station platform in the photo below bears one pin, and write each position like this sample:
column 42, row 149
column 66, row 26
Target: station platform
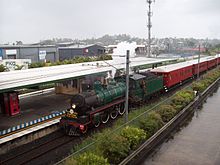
column 35, row 107
column 28, row 131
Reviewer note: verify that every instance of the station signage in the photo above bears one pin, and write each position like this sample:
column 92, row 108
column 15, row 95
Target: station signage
column 42, row 54
column 11, row 52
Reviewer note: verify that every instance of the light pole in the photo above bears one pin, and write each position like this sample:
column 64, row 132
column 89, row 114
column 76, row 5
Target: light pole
column 149, row 25
column 218, row 57
column 198, row 63
column 127, row 85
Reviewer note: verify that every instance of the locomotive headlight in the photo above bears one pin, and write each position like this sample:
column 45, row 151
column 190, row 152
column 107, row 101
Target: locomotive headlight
column 71, row 111
column 73, row 106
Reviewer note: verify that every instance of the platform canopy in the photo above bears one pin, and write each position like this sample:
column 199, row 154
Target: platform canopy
column 32, row 77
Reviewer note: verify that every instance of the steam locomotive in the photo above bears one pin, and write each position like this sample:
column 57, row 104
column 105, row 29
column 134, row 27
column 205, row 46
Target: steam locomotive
column 104, row 102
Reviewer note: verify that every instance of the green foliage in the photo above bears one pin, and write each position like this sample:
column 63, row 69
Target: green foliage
column 134, row 136
column 37, row 65
column 198, row 86
column 2, row 68
column 207, row 80
column 114, row 147
column 151, row 123
column 166, row 112
column 19, row 67
column 71, row 61
column 89, row 158
column 188, row 95
column 181, row 99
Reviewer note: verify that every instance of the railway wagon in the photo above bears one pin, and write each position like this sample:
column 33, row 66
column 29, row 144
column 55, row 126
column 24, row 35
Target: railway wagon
column 211, row 63
column 218, row 60
column 144, row 85
column 174, row 74
column 203, row 66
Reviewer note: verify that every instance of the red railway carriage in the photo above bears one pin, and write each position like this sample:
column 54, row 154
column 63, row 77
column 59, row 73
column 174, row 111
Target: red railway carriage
column 218, row 60
column 174, row 74
column 212, row 63
column 203, row 66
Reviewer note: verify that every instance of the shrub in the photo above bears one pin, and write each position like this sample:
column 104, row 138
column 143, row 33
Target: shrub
column 188, row 95
column 2, row 68
column 133, row 135
column 71, row 61
column 114, row 147
column 89, row 158
column 151, row 123
column 36, row 65
column 166, row 112
column 180, row 101
column 198, row 86
column 155, row 116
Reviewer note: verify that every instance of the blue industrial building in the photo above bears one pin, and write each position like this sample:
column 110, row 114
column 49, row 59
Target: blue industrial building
column 66, row 53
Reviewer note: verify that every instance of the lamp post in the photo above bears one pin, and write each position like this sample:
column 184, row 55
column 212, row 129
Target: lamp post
column 198, row 63
column 127, row 85
column 149, row 26
column 218, row 57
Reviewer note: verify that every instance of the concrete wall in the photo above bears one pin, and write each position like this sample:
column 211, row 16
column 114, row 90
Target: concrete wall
column 11, row 64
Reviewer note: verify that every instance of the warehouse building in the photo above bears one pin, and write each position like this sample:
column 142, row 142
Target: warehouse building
column 35, row 53
column 66, row 53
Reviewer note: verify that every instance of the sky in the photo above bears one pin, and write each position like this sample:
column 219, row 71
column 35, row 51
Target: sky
column 34, row 20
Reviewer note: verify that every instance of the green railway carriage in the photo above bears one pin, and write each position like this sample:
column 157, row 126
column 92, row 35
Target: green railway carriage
column 144, row 85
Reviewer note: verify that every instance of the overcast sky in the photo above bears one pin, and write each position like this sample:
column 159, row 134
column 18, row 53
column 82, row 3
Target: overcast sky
column 34, row 20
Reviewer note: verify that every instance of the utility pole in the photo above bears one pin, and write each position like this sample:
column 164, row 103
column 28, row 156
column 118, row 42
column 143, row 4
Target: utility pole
column 127, row 85
column 149, row 25
column 218, row 57
column 198, row 63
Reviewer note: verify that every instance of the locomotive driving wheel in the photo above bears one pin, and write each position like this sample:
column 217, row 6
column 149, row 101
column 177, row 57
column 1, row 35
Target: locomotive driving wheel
column 105, row 117
column 121, row 109
column 97, row 124
column 114, row 112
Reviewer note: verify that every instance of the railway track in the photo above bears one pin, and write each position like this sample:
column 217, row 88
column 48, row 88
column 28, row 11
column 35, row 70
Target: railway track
column 27, row 156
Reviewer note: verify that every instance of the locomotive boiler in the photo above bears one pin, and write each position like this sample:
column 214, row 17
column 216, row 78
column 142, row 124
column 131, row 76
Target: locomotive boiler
column 94, row 107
